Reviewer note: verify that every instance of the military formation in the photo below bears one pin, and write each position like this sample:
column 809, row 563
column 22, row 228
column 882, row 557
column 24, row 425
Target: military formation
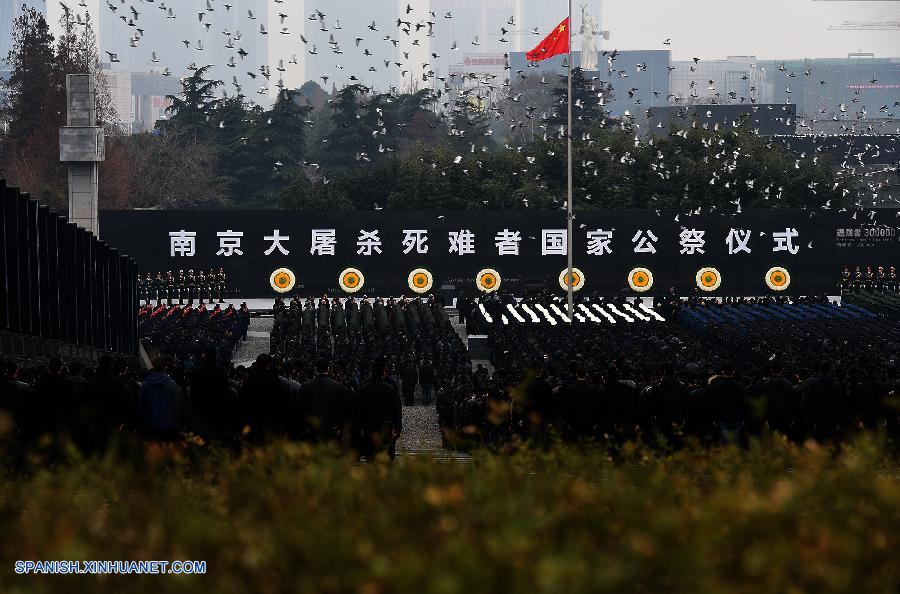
column 182, row 287
column 875, row 278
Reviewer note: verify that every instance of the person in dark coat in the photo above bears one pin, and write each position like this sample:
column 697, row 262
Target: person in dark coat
column 264, row 400
column 426, row 380
column 781, row 402
column 112, row 401
column 161, row 404
column 378, row 418
column 326, row 407
column 822, row 404
column 668, row 400
column 211, row 398
column 579, row 403
column 54, row 401
column 727, row 398
column 409, row 377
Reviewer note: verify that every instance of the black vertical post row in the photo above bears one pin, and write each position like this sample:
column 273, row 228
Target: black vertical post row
column 31, row 279
column 11, row 232
column 4, row 295
column 43, row 251
column 55, row 269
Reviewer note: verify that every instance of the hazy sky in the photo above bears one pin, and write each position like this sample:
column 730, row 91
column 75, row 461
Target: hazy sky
column 711, row 28
column 768, row 29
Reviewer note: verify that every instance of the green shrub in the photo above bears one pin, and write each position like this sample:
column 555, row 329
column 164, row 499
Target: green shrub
column 771, row 518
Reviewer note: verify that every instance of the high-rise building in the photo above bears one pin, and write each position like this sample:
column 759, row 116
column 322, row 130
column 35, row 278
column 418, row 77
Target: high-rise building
column 734, row 80
column 10, row 10
column 851, row 88
column 230, row 39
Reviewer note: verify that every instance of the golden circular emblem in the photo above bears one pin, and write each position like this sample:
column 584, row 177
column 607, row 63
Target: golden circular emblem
column 420, row 280
column 282, row 280
column 351, row 280
column 708, row 279
column 778, row 278
column 640, row 279
column 487, row 280
column 577, row 279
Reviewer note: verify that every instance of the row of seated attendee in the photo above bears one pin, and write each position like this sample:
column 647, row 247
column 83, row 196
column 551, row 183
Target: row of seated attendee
column 184, row 332
column 604, row 380
column 50, row 407
column 415, row 337
column 873, row 278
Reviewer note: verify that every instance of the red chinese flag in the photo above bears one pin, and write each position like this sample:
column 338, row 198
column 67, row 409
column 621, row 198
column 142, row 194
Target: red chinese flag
column 554, row 44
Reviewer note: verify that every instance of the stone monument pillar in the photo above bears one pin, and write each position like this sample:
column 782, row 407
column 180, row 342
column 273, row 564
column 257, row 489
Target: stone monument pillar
column 82, row 146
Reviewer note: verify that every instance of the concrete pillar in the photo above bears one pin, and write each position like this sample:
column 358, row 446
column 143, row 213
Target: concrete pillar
column 82, row 146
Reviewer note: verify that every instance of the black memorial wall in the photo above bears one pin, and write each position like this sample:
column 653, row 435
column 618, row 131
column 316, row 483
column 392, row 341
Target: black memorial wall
column 525, row 247
column 60, row 283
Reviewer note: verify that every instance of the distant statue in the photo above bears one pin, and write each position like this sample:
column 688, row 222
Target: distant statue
column 589, row 49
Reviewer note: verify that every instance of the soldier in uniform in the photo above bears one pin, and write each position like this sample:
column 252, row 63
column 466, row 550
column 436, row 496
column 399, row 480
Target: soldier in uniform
column 191, row 282
column 211, row 284
column 220, row 284
column 870, row 278
column 892, row 278
column 142, row 290
column 170, row 288
column 845, row 277
column 857, row 279
column 181, row 287
column 202, row 285
column 158, row 288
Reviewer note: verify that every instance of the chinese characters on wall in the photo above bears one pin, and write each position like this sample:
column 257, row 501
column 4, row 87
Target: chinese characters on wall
column 506, row 242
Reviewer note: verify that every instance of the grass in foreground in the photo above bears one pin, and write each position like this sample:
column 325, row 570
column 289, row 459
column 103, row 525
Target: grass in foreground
column 773, row 518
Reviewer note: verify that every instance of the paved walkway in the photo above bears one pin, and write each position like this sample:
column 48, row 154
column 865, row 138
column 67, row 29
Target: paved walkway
column 257, row 342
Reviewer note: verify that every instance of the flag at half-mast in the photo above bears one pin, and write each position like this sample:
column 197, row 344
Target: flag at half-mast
column 554, row 44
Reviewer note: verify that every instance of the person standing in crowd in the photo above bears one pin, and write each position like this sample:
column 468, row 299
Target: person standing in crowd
column 326, row 407
column 211, row 402
column 426, row 380
column 580, row 403
column 111, row 397
column 378, row 418
column 822, row 403
column 409, row 377
column 264, row 401
column 727, row 400
column 161, row 404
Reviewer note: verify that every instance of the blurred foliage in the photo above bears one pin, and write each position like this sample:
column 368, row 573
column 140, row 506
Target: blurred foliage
column 774, row 517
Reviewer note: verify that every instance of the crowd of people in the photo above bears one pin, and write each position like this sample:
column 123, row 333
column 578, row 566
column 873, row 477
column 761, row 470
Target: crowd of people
column 340, row 371
column 184, row 332
column 58, row 404
column 414, row 336
column 714, row 370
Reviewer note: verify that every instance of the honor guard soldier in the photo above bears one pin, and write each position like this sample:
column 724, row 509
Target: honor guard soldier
column 845, row 277
column 881, row 278
column 220, row 284
column 870, row 278
column 182, row 286
column 191, row 282
column 201, row 285
column 857, row 279
column 142, row 290
column 158, row 288
column 892, row 278
column 211, row 284
column 170, row 287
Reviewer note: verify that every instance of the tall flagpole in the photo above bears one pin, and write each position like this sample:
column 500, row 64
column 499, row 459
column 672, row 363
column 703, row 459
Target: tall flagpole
column 569, row 215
